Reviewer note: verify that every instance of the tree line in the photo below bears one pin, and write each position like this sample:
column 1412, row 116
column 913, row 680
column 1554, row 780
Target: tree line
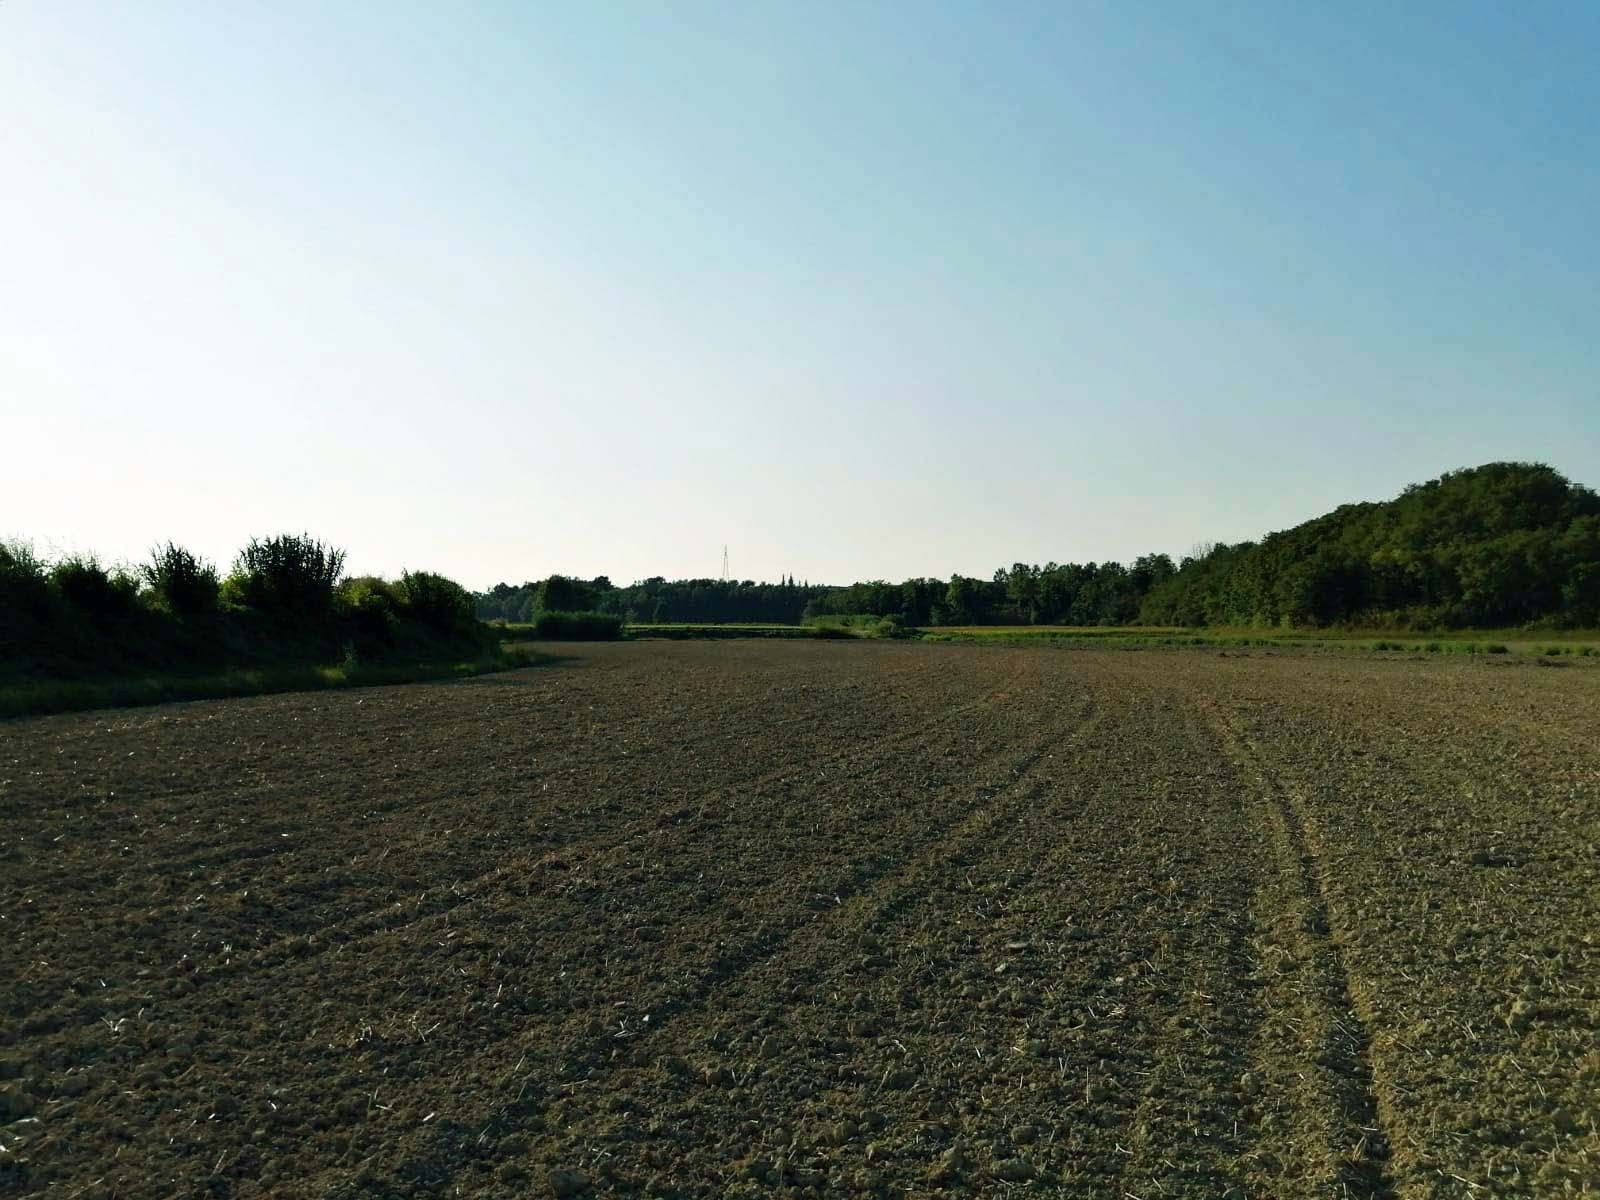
column 655, row 600
column 1054, row 594
column 286, row 600
column 1501, row 544
column 1073, row 593
column 1023, row 594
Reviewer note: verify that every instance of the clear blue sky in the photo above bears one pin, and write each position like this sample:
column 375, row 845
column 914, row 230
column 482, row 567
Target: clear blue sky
column 861, row 290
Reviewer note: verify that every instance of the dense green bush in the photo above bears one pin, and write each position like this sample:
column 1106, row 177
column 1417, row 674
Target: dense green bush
column 860, row 625
column 93, row 591
column 578, row 626
column 371, row 606
column 282, row 607
column 831, row 631
column 24, row 582
column 181, row 582
column 290, row 575
column 441, row 604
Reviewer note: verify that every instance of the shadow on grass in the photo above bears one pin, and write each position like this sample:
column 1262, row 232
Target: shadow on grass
column 37, row 698
column 506, row 676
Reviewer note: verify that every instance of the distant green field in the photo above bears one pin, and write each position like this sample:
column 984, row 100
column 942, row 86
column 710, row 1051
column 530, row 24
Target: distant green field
column 1078, row 632
column 1580, row 643
column 1572, row 643
column 686, row 630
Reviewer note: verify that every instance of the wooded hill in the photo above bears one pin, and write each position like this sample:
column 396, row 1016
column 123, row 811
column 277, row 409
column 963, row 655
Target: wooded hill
column 1497, row 545
column 1492, row 546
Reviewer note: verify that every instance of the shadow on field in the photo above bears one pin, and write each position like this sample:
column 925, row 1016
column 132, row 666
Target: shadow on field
column 533, row 660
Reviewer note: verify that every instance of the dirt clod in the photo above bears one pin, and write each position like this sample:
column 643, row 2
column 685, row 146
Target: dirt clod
column 1520, row 1015
column 1014, row 1170
column 15, row 1103
column 897, row 1079
column 949, row 1167
column 565, row 1183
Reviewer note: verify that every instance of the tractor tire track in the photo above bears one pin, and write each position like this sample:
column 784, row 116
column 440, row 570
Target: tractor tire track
column 1340, row 1129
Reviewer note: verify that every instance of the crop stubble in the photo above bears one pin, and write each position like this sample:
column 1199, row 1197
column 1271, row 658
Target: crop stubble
column 764, row 918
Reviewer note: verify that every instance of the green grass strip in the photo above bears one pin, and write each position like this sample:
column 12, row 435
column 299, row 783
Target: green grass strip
column 39, row 698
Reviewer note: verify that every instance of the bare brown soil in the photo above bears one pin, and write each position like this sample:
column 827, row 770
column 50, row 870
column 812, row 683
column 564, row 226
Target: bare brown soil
column 773, row 918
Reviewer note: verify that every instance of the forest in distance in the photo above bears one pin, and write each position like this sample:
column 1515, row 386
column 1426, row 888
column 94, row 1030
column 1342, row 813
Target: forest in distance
column 1503, row 544
column 1492, row 547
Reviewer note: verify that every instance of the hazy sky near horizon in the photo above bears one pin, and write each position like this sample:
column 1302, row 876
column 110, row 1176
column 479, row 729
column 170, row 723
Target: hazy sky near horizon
column 860, row 290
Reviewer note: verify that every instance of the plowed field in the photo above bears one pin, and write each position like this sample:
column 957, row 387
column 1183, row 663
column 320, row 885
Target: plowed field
column 810, row 918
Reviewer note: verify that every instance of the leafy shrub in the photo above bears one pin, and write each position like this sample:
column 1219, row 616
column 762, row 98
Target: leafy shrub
column 441, row 604
column 180, row 582
column 578, row 626
column 282, row 608
column 1433, row 647
column 841, row 625
column 830, row 631
column 92, row 590
column 23, row 585
column 371, row 606
column 290, row 575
